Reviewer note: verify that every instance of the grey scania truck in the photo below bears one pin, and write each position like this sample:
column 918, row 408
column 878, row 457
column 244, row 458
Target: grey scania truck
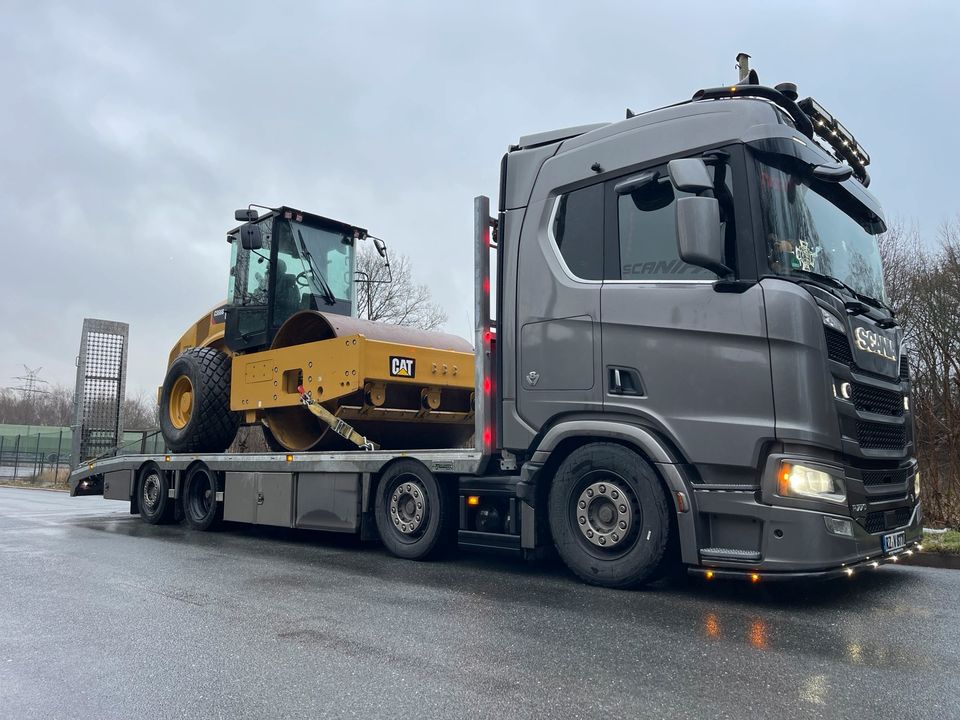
column 684, row 359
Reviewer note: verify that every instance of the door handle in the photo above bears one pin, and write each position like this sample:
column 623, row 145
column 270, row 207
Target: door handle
column 624, row 381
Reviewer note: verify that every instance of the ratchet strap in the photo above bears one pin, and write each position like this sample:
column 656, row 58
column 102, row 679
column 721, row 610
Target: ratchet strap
column 338, row 425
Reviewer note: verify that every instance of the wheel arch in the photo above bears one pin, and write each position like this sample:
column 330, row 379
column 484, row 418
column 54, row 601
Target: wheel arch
column 666, row 462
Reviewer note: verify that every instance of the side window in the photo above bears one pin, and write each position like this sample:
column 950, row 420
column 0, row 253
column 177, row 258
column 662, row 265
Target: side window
column 249, row 276
column 648, row 236
column 578, row 231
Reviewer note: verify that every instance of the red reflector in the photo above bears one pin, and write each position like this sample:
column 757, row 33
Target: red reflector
column 487, row 436
column 487, row 385
column 486, row 285
column 487, row 336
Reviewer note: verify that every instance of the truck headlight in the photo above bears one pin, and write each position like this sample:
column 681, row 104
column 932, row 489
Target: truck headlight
column 916, row 485
column 806, row 482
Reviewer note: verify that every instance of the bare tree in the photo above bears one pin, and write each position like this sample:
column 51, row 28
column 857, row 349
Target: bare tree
column 140, row 412
column 401, row 301
column 923, row 285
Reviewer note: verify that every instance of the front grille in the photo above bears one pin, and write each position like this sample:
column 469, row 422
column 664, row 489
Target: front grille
column 877, row 436
column 867, row 398
column 884, row 477
column 838, row 348
column 904, row 368
column 887, row 520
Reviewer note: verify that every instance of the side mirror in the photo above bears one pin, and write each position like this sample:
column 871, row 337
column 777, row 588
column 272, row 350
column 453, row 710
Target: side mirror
column 689, row 175
column 698, row 233
column 245, row 215
column 250, row 237
column 381, row 246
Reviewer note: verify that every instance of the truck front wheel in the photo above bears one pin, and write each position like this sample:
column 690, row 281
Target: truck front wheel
column 610, row 516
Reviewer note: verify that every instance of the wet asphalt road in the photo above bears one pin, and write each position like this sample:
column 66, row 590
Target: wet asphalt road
column 103, row 616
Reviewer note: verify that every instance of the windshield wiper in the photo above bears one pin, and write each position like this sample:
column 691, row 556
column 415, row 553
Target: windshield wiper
column 836, row 282
column 328, row 297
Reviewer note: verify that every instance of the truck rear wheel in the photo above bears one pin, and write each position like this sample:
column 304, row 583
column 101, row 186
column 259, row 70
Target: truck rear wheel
column 610, row 517
column 195, row 411
column 153, row 495
column 200, row 507
column 413, row 513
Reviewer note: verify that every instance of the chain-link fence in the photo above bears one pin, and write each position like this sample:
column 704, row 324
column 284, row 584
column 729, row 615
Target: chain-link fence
column 42, row 457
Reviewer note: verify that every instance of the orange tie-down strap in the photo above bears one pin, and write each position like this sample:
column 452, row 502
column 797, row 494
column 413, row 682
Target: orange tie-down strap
column 338, row 425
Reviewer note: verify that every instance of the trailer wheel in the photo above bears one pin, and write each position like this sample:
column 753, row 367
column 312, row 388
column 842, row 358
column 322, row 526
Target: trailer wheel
column 414, row 515
column 201, row 509
column 195, row 413
column 610, row 517
column 153, row 495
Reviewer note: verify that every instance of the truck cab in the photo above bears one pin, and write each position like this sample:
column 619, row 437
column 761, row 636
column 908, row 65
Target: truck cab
column 744, row 350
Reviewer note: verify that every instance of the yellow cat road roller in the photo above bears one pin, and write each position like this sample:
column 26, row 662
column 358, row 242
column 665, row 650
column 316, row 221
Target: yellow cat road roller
column 288, row 352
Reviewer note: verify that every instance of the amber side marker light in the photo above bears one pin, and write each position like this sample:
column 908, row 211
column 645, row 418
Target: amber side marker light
column 709, row 575
column 473, row 499
column 289, row 458
column 754, row 577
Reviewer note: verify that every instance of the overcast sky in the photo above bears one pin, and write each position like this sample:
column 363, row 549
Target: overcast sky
column 131, row 131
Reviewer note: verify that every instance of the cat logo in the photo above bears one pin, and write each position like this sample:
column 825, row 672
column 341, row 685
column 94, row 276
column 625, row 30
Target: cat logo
column 402, row 367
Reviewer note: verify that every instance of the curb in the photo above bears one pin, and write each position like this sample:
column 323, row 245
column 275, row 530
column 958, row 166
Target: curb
column 28, row 487
column 934, row 560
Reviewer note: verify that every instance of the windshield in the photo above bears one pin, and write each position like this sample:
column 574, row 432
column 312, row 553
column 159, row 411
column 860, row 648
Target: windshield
column 314, row 268
column 817, row 227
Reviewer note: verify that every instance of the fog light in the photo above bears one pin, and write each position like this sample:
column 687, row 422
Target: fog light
column 838, row 526
column 807, row 482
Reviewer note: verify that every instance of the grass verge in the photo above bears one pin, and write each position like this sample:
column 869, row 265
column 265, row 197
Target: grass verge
column 947, row 542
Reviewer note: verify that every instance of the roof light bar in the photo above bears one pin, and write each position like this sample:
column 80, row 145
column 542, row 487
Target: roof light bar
column 800, row 118
column 841, row 141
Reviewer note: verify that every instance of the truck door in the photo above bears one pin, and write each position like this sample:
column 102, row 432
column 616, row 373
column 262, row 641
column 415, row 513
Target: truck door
column 693, row 362
column 560, row 271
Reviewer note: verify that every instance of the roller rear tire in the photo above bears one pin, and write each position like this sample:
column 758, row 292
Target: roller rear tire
column 195, row 413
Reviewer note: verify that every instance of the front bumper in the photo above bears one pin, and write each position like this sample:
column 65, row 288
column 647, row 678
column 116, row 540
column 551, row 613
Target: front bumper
column 786, row 542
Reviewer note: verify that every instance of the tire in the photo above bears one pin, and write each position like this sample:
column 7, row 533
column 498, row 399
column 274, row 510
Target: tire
column 610, row 517
column 199, row 498
column 153, row 495
column 414, row 513
column 195, row 411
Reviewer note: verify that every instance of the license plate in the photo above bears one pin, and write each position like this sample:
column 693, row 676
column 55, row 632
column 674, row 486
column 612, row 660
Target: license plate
column 894, row 541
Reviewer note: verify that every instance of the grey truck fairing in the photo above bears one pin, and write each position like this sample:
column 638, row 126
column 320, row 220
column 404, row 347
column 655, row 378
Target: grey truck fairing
column 731, row 375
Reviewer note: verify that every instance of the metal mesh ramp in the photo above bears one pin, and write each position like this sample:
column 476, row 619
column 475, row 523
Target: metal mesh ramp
column 101, row 381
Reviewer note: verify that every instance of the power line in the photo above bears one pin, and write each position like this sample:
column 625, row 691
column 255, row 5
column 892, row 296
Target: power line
column 31, row 383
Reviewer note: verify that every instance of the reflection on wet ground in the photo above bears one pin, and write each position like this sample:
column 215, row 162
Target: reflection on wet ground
column 479, row 633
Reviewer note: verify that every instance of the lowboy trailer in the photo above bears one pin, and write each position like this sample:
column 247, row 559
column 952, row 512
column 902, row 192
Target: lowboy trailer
column 692, row 366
